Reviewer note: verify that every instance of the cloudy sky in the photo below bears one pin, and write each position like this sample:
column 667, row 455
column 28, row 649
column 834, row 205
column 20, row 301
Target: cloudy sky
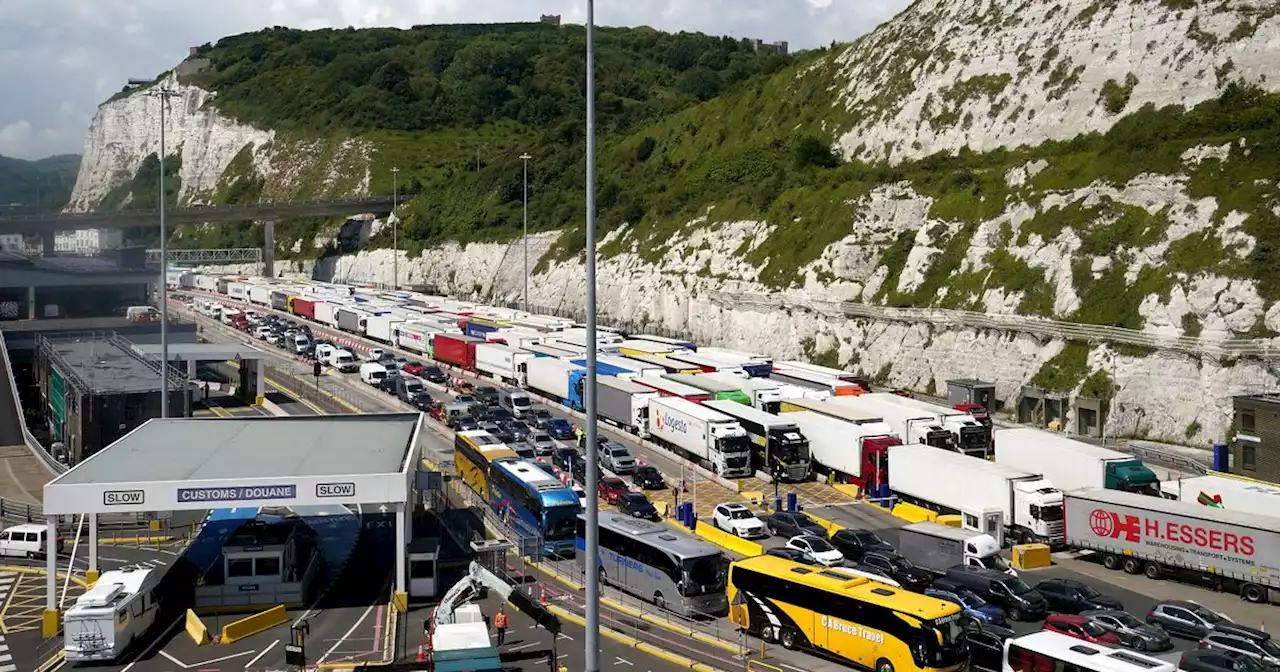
column 60, row 58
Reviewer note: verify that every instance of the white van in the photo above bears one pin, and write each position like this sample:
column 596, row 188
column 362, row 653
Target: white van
column 25, row 541
column 344, row 361
column 373, row 373
column 324, row 353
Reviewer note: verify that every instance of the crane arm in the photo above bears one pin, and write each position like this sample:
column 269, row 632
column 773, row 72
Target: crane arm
column 469, row 587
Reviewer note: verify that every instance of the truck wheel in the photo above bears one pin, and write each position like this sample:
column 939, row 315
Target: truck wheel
column 883, row 665
column 1253, row 593
column 1111, row 561
column 1153, row 571
column 1132, row 566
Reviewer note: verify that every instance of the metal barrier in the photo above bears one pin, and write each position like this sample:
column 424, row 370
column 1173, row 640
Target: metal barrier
column 1165, row 457
column 55, row 467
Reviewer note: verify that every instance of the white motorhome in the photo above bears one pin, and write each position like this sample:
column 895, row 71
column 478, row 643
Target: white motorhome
column 104, row 621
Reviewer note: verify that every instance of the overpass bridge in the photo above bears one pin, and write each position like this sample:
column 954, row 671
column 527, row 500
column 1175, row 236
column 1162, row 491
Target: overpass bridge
column 46, row 225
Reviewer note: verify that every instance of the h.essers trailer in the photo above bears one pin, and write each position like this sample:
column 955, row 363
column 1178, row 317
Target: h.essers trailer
column 1158, row 536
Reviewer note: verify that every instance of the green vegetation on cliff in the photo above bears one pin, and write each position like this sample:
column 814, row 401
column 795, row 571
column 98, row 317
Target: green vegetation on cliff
column 36, row 186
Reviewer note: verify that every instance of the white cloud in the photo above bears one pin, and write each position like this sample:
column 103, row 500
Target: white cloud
column 60, row 58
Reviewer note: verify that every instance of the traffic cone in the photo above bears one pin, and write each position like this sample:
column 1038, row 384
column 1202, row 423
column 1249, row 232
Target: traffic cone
column 422, row 654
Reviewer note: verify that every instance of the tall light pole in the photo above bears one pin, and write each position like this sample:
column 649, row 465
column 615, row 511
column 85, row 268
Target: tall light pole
column 525, row 158
column 164, row 95
column 593, row 507
column 395, row 226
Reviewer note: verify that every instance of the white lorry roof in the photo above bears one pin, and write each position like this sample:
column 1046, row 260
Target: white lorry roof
column 1046, row 441
column 748, row 413
column 693, row 409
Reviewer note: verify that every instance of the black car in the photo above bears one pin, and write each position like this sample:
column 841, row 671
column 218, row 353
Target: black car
column 579, row 472
column 853, row 544
column 564, row 458
column 790, row 554
column 1132, row 632
column 1184, row 618
column 539, row 418
column 1020, row 601
column 499, row 414
column 986, row 646
column 465, row 423
column 424, row 402
column 487, row 395
column 1218, row 660
column 479, row 411
column 898, row 568
column 790, row 524
column 518, row 430
column 390, row 383
column 637, row 506
column 1066, row 596
column 648, row 478
column 434, row 374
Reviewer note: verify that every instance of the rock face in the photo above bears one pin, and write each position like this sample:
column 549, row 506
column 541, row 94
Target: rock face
column 947, row 74
column 126, row 131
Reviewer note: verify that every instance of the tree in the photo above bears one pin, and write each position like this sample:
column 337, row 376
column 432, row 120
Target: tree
column 701, row 83
column 810, row 151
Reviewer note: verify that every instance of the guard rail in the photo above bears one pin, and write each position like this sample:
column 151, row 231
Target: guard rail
column 72, row 216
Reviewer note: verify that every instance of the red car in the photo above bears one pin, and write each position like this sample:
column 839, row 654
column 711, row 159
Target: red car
column 414, row 368
column 1080, row 628
column 612, row 488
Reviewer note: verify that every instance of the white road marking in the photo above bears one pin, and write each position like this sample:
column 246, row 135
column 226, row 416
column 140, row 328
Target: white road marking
column 564, row 636
column 156, row 642
column 622, row 661
column 563, row 655
column 348, row 634
column 522, row 646
column 792, row 667
column 185, row 666
column 260, row 655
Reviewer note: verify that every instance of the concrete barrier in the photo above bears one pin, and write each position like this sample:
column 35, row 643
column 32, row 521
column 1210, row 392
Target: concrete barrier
column 1031, row 556
column 252, row 625
column 848, row 489
column 196, row 629
column 914, row 514
column 728, row 541
column 951, row 520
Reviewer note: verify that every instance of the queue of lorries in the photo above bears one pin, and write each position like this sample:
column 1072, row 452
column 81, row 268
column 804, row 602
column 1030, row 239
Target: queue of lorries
column 743, row 414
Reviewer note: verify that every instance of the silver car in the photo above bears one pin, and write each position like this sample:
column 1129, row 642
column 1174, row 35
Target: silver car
column 1262, row 649
column 1132, row 632
column 542, row 443
column 616, row 458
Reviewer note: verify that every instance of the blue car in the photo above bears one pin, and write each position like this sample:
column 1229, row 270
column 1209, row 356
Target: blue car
column 974, row 607
column 560, row 429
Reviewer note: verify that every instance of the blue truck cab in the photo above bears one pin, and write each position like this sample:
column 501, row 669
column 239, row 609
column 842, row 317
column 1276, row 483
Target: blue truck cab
column 577, row 390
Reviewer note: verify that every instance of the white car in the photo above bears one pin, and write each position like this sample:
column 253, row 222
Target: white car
column 817, row 548
column 582, row 496
column 738, row 520
column 374, row 355
column 262, row 332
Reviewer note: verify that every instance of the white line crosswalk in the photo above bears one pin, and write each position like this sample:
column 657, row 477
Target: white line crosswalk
column 7, row 580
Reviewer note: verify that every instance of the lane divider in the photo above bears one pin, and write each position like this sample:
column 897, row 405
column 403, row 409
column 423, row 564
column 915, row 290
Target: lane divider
column 627, row 640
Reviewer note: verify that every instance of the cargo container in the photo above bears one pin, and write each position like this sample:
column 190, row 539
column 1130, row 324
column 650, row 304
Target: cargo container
column 503, row 362
column 778, row 447
column 238, row 291
column 708, row 437
column 634, row 347
column 351, row 320
column 1230, row 550
column 280, row 300
column 911, row 425
column 969, row 436
column 302, row 307
column 1021, row 506
column 938, row 547
column 1221, row 491
column 706, row 363
column 552, row 351
column 763, row 393
column 624, row 404
column 853, row 452
column 456, row 349
column 713, row 387
column 382, row 328
column 839, row 374
column 576, row 339
column 617, row 367
column 754, row 365
column 260, row 294
column 415, row 337
column 553, row 378
column 325, row 313
column 635, row 366
column 677, row 343
column 670, row 388
column 815, row 381
column 477, row 330
column 659, row 365
column 1072, row 464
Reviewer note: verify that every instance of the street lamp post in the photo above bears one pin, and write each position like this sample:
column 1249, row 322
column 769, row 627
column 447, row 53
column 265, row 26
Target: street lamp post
column 525, row 158
column 395, row 226
column 592, row 657
column 164, row 95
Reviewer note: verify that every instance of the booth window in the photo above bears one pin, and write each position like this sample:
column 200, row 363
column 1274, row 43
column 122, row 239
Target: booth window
column 422, row 569
column 268, row 567
column 241, row 567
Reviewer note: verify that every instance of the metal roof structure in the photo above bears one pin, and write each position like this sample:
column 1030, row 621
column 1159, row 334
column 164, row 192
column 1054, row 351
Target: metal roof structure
column 105, row 366
column 189, row 464
column 202, row 352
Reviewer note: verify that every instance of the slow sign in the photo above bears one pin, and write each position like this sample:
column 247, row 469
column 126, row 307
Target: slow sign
column 335, row 489
column 123, row 497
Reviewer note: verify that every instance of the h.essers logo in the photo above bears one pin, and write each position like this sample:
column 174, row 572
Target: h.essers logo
column 852, row 629
column 676, row 424
column 1132, row 529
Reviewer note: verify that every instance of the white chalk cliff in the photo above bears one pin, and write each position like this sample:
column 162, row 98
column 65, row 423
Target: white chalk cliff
column 943, row 76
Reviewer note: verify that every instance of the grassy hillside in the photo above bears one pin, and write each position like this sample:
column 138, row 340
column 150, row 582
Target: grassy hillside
column 36, row 186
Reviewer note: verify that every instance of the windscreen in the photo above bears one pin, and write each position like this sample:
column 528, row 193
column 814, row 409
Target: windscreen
column 560, row 522
column 520, row 402
column 702, row 575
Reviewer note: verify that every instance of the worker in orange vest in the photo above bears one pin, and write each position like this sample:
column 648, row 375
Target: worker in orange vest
column 500, row 622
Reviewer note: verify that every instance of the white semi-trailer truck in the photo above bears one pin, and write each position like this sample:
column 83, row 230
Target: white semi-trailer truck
column 708, row 437
column 990, row 498
column 1232, row 493
column 1071, row 464
column 779, row 448
column 910, row 424
column 1230, row 550
column 968, row 435
column 624, row 403
column 503, row 362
